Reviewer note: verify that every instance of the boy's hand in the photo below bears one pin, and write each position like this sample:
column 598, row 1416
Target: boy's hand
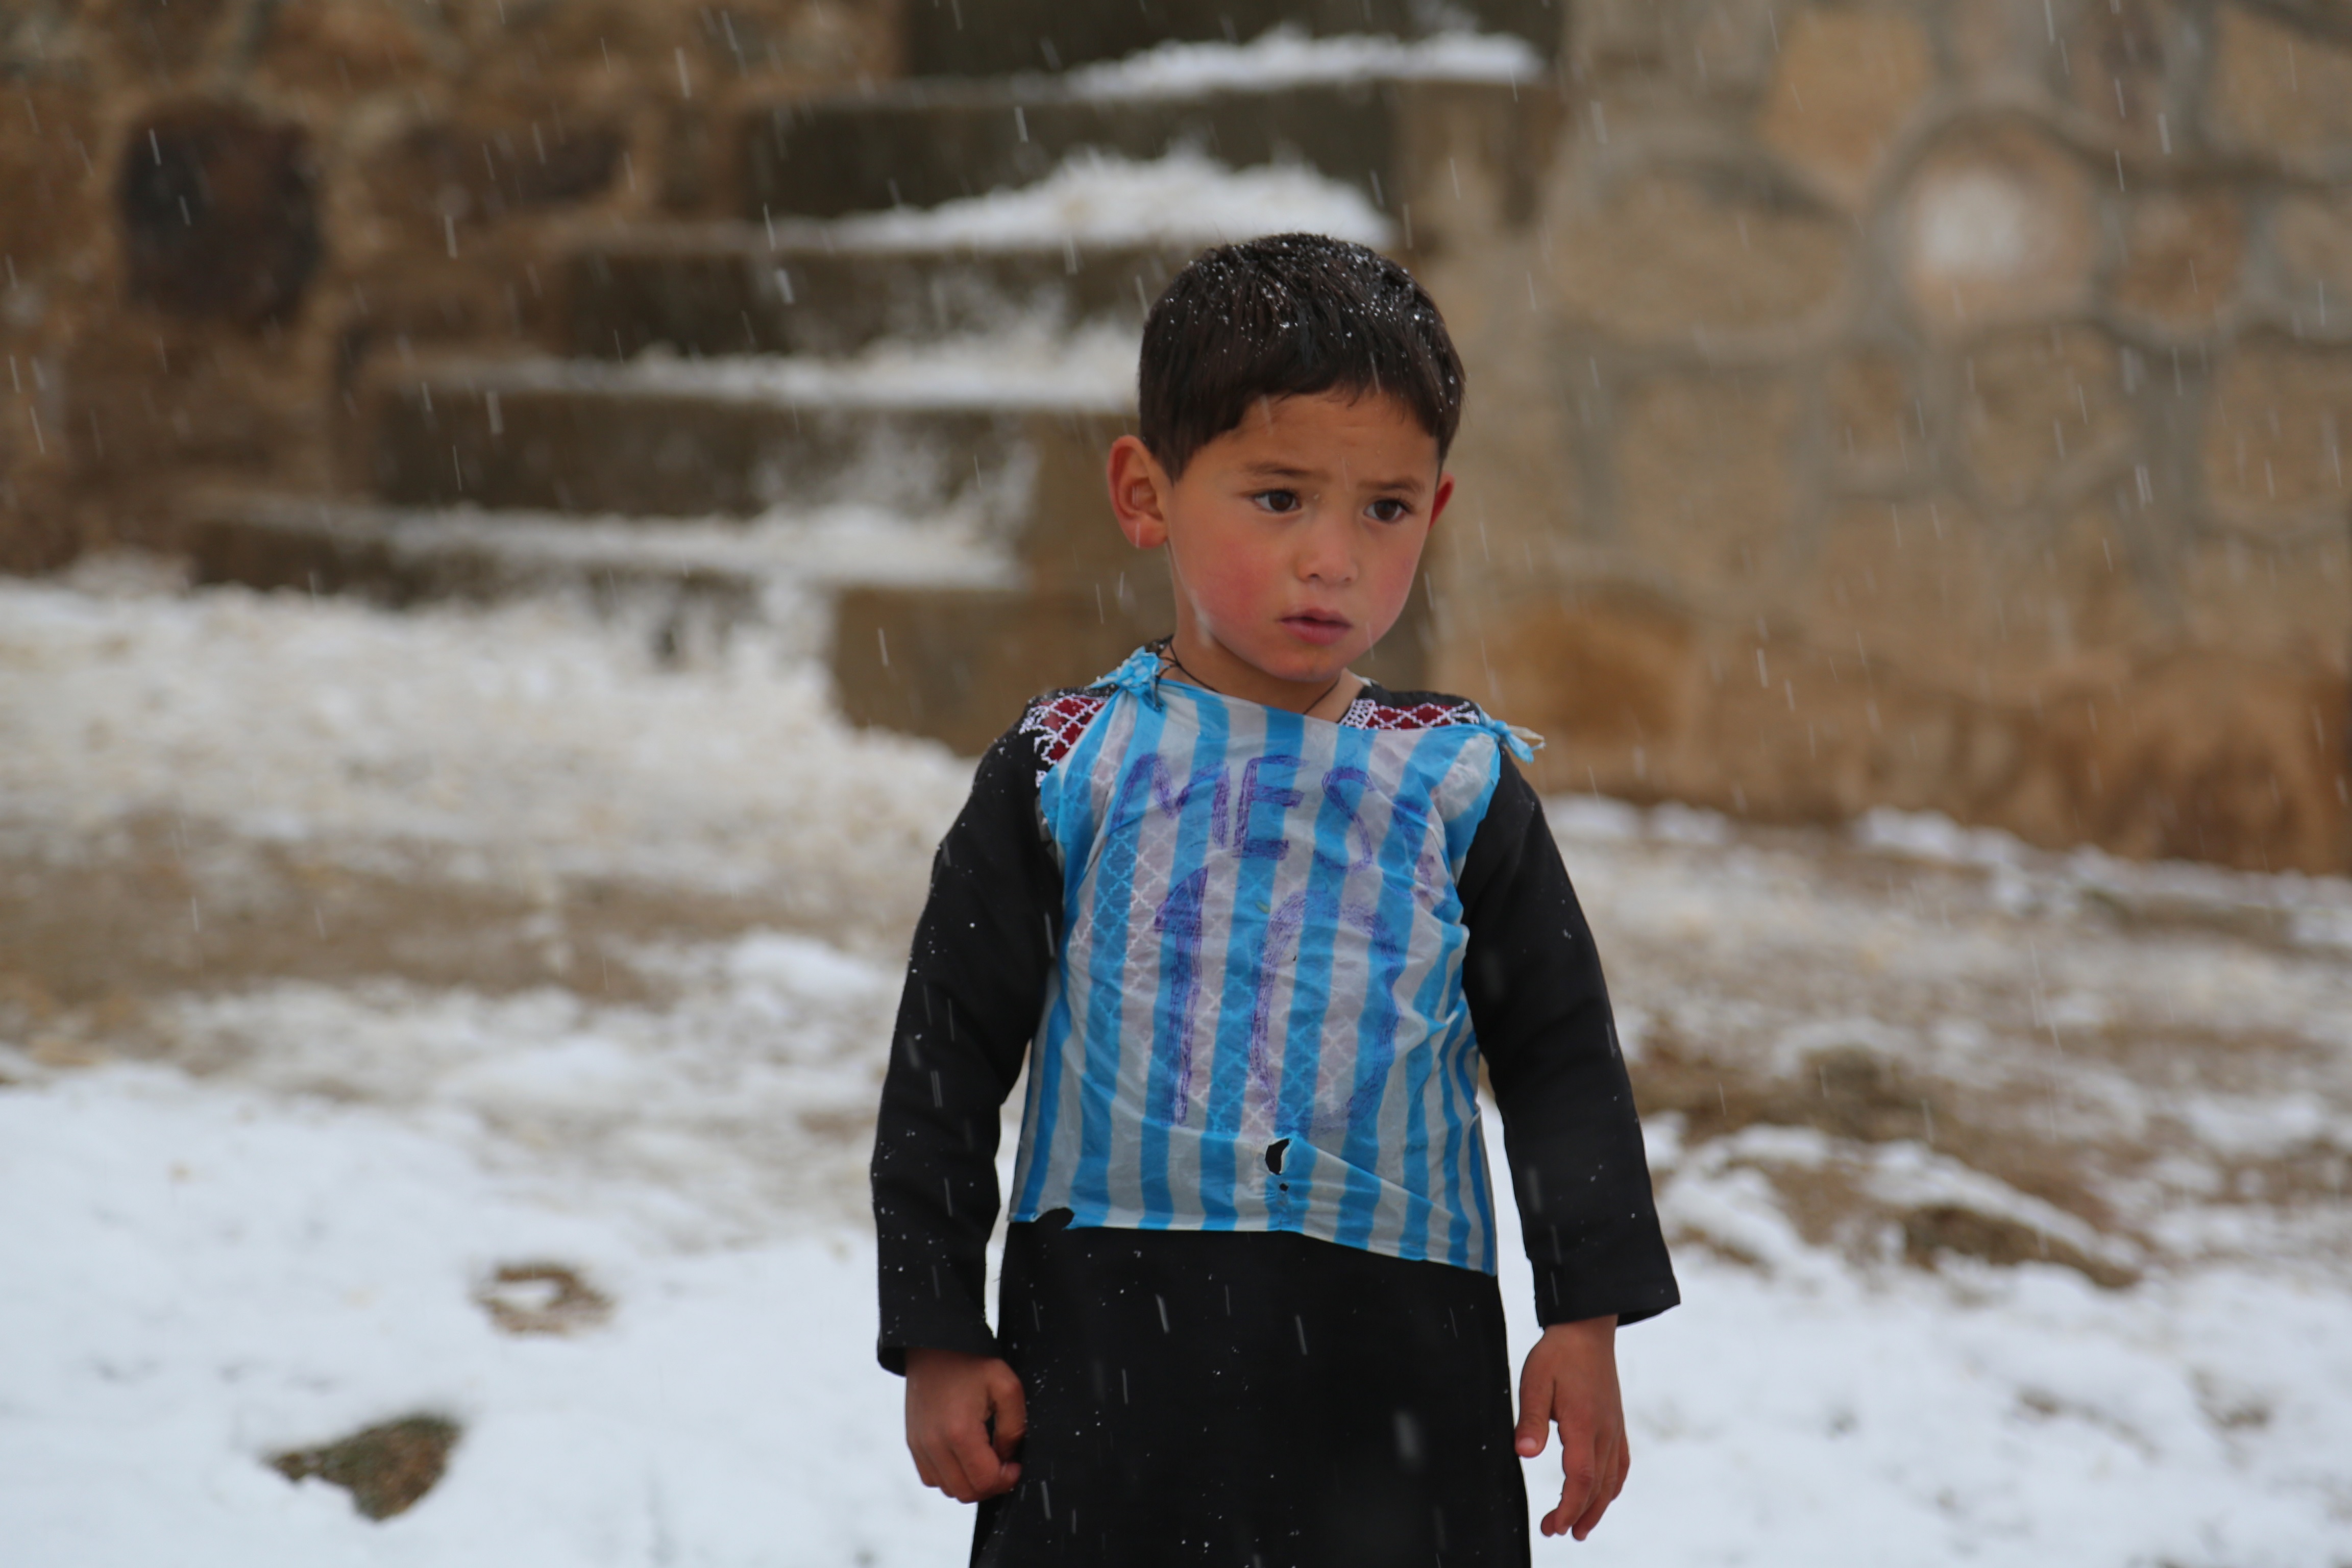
column 1572, row 1378
column 951, row 1401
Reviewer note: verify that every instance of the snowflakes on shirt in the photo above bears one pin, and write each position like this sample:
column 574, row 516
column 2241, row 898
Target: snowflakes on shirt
column 1054, row 722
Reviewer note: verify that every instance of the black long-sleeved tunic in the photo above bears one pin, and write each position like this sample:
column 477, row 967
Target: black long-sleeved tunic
column 978, row 976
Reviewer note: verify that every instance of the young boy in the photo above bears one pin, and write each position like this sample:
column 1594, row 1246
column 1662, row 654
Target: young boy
column 1253, row 922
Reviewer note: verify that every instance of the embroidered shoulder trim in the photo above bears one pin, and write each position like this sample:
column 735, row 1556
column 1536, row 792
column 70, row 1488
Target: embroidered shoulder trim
column 1364, row 713
column 1054, row 722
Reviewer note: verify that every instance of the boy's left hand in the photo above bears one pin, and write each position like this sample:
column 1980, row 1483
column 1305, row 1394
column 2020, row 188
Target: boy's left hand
column 1570, row 1379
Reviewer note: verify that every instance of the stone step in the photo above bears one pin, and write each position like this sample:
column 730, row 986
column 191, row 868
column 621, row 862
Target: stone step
column 933, row 632
column 404, row 555
column 1016, row 455
column 956, row 664
column 1434, row 153
column 800, row 288
column 992, row 38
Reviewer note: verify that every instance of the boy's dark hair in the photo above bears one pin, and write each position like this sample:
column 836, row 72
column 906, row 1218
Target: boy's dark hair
column 1290, row 315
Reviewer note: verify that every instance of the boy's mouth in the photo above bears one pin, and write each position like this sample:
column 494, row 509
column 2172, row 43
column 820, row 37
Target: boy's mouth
column 1312, row 626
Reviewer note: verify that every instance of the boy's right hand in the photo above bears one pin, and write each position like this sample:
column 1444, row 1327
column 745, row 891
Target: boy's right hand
column 951, row 1401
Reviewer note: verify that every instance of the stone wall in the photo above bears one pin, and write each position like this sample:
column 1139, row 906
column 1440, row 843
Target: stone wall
column 213, row 211
column 1935, row 404
column 1926, row 403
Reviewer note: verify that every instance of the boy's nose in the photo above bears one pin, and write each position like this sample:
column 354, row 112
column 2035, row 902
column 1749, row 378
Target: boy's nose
column 1324, row 555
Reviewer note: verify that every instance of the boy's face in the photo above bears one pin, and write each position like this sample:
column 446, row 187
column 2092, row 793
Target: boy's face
column 1292, row 538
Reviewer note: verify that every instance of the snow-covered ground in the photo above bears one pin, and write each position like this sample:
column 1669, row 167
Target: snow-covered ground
column 1101, row 199
column 525, row 740
column 249, row 1206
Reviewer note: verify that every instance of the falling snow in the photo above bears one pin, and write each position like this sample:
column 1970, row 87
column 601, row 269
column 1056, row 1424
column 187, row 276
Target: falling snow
column 259, row 1215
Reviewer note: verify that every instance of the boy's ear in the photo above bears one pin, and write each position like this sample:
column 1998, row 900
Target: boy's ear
column 1437, row 503
column 1139, row 488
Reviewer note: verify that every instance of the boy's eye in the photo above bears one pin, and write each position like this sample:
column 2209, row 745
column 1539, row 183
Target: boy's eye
column 1278, row 500
column 1389, row 509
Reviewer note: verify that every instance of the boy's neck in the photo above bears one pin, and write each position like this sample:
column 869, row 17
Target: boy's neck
column 1205, row 664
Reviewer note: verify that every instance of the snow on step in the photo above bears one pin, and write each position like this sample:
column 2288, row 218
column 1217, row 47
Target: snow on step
column 1363, row 111
column 988, row 37
column 1286, row 56
column 738, row 568
column 1093, row 370
column 1102, row 199
column 911, row 429
column 1094, row 242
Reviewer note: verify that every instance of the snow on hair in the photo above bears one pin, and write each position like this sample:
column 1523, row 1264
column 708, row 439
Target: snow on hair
column 1290, row 315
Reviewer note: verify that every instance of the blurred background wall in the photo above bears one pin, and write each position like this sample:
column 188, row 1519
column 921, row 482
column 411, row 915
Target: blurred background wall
column 1938, row 405
column 214, row 212
column 1930, row 403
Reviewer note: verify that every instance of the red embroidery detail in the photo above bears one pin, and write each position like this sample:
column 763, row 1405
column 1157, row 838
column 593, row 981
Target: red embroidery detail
column 1055, row 722
column 1364, row 713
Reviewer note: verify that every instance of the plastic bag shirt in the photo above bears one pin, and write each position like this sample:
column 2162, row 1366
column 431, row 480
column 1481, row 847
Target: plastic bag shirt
column 1256, row 1019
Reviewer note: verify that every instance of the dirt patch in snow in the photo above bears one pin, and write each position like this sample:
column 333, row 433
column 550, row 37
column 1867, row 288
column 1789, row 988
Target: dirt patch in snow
column 542, row 1299
column 1853, row 1094
column 152, row 906
column 387, row 1469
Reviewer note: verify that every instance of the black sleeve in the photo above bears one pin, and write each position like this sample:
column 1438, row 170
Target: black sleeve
column 975, row 985
column 1541, row 1009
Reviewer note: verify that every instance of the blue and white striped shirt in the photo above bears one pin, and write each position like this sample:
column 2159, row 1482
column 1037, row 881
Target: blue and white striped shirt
column 1256, row 1020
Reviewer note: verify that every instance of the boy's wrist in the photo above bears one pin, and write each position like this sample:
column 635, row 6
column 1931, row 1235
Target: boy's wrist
column 924, row 1358
column 897, row 1351
column 1601, row 1325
